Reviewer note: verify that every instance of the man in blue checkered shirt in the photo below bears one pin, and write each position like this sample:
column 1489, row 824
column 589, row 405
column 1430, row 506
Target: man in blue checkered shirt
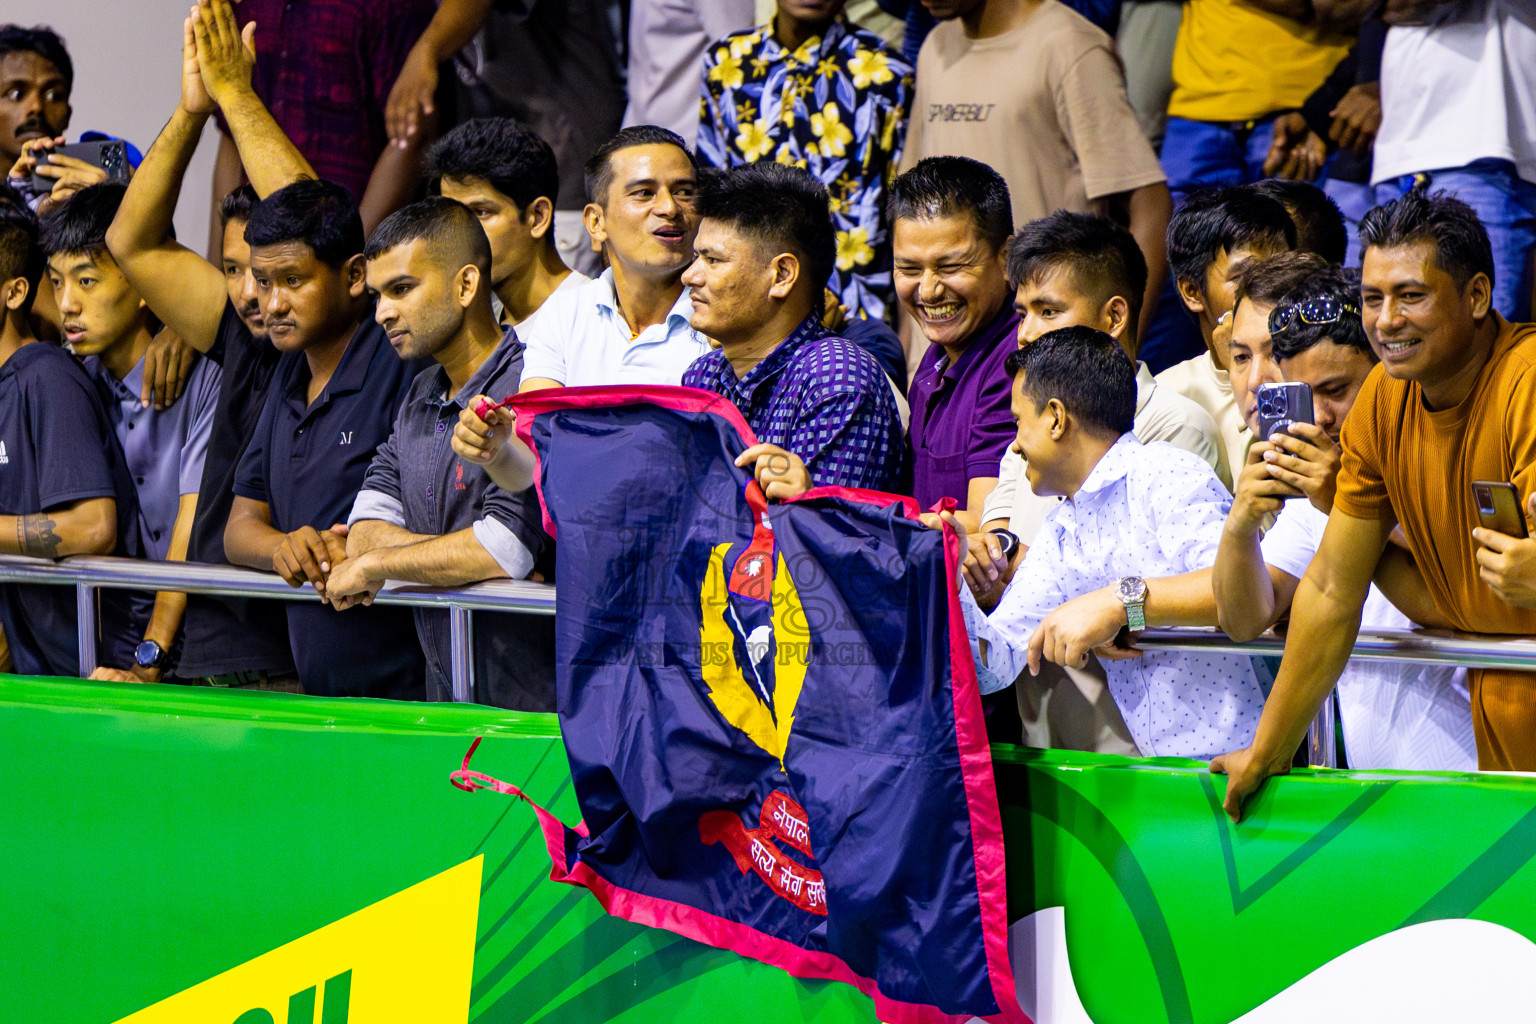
column 821, row 407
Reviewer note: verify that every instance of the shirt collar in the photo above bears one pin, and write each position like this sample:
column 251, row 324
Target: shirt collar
column 1001, row 328
column 1145, row 385
column 608, row 299
column 810, row 51
column 1110, row 469
column 509, row 346
column 130, row 387
column 349, row 374
column 810, row 329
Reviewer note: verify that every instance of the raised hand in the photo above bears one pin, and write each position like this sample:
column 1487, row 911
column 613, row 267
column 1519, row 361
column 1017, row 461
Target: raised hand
column 226, row 58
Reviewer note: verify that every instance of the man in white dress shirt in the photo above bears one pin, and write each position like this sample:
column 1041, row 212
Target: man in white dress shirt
column 1131, row 512
column 1074, row 269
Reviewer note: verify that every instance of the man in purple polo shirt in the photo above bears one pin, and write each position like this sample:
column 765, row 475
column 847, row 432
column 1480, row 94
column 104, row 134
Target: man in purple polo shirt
column 950, row 219
column 820, row 405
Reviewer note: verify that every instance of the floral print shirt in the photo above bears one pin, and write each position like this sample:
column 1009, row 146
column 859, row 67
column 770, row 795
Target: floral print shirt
column 836, row 106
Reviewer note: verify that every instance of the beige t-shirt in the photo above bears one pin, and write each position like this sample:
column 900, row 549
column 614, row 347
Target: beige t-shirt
column 1198, row 380
column 1044, row 104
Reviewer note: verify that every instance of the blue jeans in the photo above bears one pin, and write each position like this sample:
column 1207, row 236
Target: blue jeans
column 1506, row 204
column 1209, row 154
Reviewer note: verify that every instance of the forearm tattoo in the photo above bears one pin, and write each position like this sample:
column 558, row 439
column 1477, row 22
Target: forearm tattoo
column 36, row 536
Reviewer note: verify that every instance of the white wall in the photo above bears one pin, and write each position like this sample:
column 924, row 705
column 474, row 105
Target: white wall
column 127, row 56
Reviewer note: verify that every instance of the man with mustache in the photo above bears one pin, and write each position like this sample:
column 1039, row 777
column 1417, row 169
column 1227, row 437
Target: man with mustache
column 423, row 516
column 216, row 310
column 36, row 76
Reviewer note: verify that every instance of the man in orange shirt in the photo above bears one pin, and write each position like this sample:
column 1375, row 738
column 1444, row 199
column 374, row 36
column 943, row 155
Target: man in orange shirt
column 1453, row 401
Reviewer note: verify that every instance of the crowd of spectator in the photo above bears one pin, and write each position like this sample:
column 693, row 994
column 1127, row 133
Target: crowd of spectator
column 980, row 252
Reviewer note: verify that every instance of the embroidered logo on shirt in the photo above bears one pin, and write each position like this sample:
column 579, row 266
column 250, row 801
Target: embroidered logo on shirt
column 346, row 436
column 458, row 477
column 960, row 111
column 4, row 458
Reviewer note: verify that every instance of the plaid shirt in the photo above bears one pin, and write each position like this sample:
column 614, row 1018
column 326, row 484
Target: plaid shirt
column 822, row 398
column 325, row 67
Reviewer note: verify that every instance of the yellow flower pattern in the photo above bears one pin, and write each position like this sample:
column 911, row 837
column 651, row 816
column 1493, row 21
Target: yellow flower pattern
column 836, row 106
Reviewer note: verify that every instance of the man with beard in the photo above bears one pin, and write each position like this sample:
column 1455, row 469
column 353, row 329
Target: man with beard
column 331, row 404
column 422, row 516
column 229, row 640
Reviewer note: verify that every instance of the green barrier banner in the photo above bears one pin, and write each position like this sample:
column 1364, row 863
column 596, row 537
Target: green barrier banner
column 186, row 855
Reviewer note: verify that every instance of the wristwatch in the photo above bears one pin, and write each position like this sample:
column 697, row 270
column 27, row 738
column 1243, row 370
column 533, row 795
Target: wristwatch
column 1132, row 592
column 149, row 654
column 1009, row 540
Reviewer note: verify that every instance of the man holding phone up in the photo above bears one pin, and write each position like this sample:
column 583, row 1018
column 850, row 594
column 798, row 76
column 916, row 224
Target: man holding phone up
column 1395, row 715
column 1453, row 401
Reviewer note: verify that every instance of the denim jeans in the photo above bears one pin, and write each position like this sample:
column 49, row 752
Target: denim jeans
column 1208, row 154
column 1506, row 204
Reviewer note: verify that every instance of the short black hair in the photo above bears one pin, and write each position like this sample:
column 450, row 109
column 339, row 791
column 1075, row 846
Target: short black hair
column 1086, row 370
column 1267, row 281
column 948, row 186
column 43, row 41
column 321, row 214
column 599, row 169
column 513, row 158
column 780, row 206
column 1319, row 222
column 447, row 224
column 1213, row 220
column 80, row 223
column 20, row 255
column 238, row 205
column 1102, row 256
column 1341, row 287
column 1461, row 242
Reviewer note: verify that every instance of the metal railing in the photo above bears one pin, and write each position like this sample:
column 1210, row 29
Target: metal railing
column 88, row 574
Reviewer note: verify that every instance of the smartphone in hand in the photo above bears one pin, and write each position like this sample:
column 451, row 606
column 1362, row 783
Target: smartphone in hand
column 111, row 155
column 1498, row 508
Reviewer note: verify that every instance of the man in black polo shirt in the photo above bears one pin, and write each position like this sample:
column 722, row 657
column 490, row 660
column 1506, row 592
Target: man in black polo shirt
column 64, row 486
column 216, row 310
column 423, row 515
column 332, row 403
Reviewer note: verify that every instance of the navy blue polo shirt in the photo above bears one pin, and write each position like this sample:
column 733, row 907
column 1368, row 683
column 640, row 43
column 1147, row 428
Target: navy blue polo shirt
column 307, row 463
column 57, row 447
column 417, row 482
column 231, row 634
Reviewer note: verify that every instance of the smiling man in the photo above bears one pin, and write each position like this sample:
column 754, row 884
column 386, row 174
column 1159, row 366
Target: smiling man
column 1453, row 401
column 630, row 325
column 819, row 404
column 950, row 218
column 332, row 403
column 422, row 515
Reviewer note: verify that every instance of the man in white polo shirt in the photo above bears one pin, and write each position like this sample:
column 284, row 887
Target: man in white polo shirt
column 630, row 324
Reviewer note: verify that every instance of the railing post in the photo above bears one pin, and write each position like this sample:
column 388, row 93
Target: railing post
column 461, row 647
column 1322, row 750
column 85, row 636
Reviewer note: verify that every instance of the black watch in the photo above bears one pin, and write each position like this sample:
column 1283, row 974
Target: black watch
column 1009, row 540
column 149, row 654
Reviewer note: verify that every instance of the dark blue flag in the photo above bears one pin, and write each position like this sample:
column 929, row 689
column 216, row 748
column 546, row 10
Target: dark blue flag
column 770, row 711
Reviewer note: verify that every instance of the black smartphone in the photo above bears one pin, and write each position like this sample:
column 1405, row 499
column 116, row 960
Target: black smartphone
column 111, row 155
column 1498, row 508
column 1280, row 405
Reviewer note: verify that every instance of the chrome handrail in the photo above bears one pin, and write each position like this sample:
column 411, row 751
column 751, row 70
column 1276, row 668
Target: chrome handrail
column 89, row 573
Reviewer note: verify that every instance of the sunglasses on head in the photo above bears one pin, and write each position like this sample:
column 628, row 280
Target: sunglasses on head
column 1313, row 313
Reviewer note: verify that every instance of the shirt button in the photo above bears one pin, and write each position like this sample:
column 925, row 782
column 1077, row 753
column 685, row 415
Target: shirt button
column 155, row 534
column 429, row 492
column 130, row 426
column 140, row 479
column 441, row 427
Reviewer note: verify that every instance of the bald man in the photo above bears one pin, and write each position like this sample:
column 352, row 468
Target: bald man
column 423, row 514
